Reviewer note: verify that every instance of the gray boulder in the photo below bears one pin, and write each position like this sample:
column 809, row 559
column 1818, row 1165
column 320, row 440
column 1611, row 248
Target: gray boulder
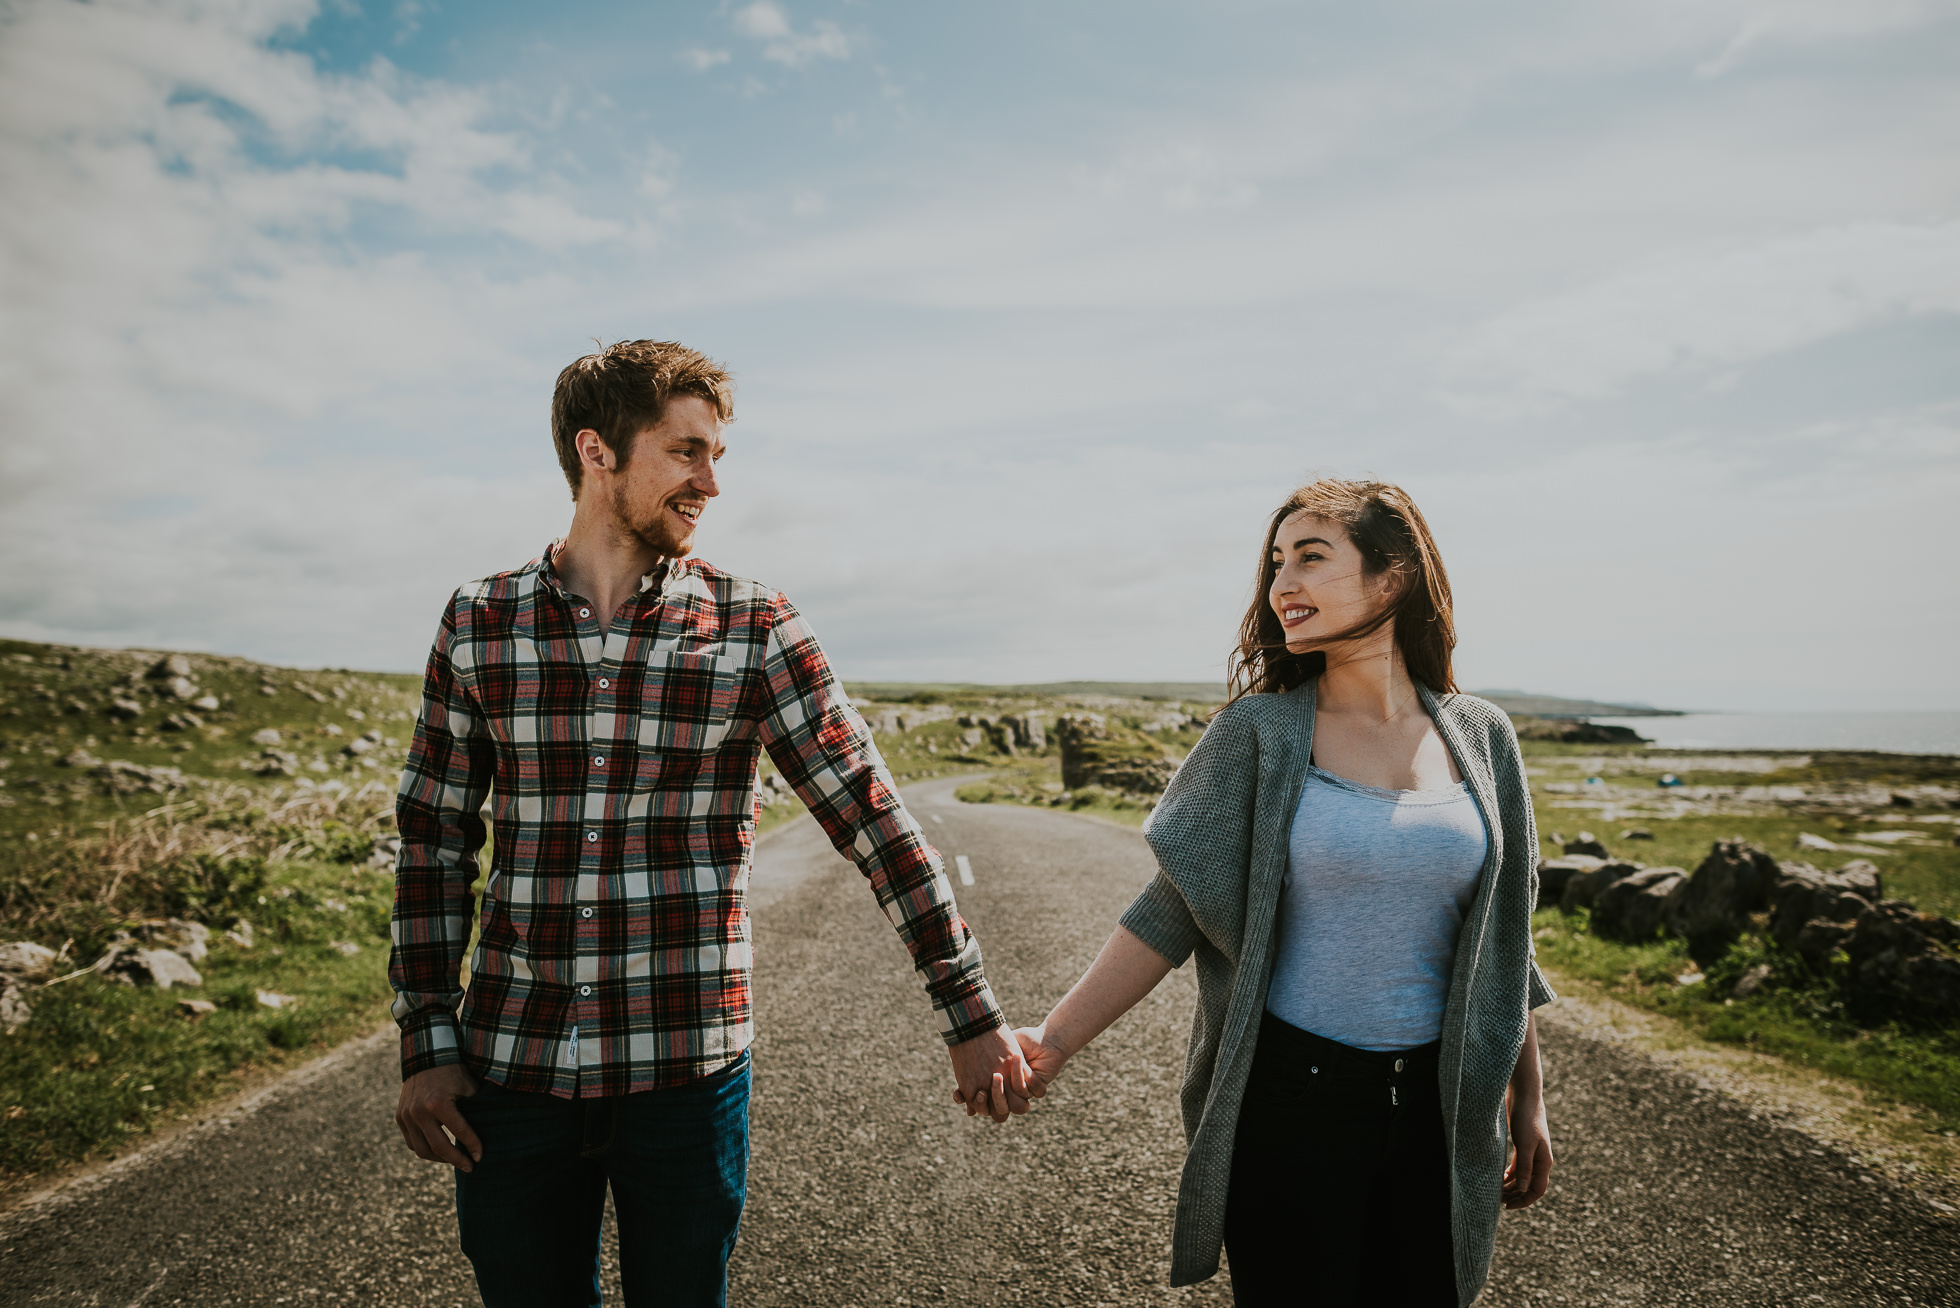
column 1633, row 907
column 1587, row 843
column 25, row 961
column 1802, row 894
column 169, row 667
column 1818, row 941
column 162, row 968
column 1554, row 873
column 1906, row 961
column 15, row 1008
column 1751, row 981
column 1711, row 907
column 1582, row 888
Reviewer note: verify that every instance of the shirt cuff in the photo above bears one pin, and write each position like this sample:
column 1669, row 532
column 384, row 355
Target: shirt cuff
column 1161, row 919
column 963, row 1001
column 430, row 1038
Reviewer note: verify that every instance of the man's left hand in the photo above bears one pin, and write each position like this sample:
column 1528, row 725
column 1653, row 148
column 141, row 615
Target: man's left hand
column 990, row 1076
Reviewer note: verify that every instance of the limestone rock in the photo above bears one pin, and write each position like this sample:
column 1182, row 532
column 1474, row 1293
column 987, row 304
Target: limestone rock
column 124, row 710
column 1096, row 754
column 1587, row 843
column 1905, row 961
column 1554, row 873
column 1803, row 894
column 162, row 968
column 168, row 667
column 1818, row 940
column 23, row 960
column 266, row 736
column 1751, row 981
column 15, row 1010
column 1632, row 908
column 1710, row 908
column 206, row 704
column 1582, row 888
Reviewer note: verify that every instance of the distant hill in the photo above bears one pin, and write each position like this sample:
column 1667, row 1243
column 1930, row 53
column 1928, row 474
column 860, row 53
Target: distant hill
column 1552, row 706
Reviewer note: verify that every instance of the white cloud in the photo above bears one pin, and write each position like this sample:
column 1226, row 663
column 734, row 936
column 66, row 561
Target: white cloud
column 703, row 60
column 213, row 392
column 1806, row 22
column 1703, row 312
column 770, row 23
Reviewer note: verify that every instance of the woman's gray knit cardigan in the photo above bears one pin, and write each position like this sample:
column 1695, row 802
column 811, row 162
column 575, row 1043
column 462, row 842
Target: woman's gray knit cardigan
column 1221, row 836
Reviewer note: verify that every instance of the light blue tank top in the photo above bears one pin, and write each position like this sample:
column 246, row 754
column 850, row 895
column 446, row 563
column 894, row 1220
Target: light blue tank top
column 1377, row 883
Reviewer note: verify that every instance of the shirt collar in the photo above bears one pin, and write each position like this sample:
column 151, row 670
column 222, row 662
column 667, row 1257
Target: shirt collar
column 670, row 569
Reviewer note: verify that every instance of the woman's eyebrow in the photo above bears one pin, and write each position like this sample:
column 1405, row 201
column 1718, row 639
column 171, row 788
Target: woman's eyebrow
column 1311, row 540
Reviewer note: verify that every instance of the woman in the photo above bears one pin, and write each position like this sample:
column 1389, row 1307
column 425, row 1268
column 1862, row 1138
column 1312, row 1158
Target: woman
column 1350, row 854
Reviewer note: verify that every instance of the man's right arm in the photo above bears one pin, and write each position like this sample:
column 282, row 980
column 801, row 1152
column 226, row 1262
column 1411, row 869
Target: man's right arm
column 451, row 763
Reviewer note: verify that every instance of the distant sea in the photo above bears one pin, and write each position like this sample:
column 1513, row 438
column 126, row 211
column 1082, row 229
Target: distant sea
column 1899, row 733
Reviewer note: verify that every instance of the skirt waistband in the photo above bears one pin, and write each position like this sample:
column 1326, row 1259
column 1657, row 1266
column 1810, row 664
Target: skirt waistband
column 1292, row 1042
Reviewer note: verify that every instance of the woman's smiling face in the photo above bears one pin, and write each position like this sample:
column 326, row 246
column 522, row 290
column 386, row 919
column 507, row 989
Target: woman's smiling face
column 1321, row 588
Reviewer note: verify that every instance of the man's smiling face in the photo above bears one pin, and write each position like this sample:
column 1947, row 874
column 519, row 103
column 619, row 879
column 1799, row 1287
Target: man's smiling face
column 669, row 477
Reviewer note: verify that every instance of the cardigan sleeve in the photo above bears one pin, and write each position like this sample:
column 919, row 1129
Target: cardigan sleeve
column 1161, row 919
column 1538, row 991
column 1201, row 833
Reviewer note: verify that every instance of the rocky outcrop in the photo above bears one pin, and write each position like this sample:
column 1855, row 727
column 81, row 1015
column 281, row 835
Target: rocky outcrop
column 1587, row 844
column 1582, row 888
column 24, row 967
column 1710, row 908
column 1802, row 894
column 1633, row 908
column 1906, row 961
column 1554, row 873
column 1097, row 754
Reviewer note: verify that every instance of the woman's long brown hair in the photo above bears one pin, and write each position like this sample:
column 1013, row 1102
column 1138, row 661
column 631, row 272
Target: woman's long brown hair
column 1389, row 530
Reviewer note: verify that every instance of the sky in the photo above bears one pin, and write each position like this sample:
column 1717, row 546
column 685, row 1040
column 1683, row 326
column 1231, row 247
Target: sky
column 1035, row 312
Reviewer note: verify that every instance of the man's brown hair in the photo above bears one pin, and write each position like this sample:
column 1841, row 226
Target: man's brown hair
column 1389, row 531
column 624, row 389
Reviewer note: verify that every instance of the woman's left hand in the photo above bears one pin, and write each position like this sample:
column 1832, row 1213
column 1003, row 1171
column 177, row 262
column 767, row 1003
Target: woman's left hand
column 1530, row 1172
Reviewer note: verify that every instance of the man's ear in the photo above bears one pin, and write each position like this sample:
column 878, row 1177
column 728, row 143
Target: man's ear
column 593, row 452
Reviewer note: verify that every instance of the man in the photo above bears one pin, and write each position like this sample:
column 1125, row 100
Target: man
column 611, row 699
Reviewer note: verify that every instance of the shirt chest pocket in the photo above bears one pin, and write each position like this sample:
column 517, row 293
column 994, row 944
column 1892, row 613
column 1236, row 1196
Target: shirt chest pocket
column 687, row 703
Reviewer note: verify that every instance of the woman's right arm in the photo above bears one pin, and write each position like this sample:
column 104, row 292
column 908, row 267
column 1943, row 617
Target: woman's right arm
column 1124, row 972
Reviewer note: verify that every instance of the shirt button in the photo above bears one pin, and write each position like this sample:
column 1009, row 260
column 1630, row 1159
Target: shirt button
column 585, row 990
column 1398, row 1064
column 585, row 613
column 591, row 836
column 599, row 762
column 604, row 684
column 585, row 912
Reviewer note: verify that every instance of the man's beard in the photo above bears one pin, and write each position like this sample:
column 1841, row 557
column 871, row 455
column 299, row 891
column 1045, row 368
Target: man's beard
column 655, row 535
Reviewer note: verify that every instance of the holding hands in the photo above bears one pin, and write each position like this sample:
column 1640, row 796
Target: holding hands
column 991, row 1078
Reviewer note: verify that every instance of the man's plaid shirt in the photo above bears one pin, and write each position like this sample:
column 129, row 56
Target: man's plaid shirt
column 620, row 763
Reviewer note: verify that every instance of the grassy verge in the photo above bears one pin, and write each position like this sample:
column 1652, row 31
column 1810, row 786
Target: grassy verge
column 102, row 1062
column 1037, row 783
column 1801, row 1021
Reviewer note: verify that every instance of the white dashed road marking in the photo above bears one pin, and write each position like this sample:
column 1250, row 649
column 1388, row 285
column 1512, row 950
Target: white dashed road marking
column 937, row 818
column 966, row 869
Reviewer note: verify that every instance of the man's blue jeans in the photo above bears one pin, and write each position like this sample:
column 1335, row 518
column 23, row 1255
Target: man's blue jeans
column 677, row 1161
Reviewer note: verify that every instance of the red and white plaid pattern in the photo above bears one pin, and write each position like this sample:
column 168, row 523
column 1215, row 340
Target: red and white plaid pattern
column 621, row 766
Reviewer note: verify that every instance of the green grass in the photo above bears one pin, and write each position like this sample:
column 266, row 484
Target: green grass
column 1037, row 783
column 1928, row 874
column 1802, row 1019
column 102, row 1063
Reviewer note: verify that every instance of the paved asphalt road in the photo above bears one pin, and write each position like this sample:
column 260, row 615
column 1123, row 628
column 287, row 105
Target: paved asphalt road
column 870, row 1187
